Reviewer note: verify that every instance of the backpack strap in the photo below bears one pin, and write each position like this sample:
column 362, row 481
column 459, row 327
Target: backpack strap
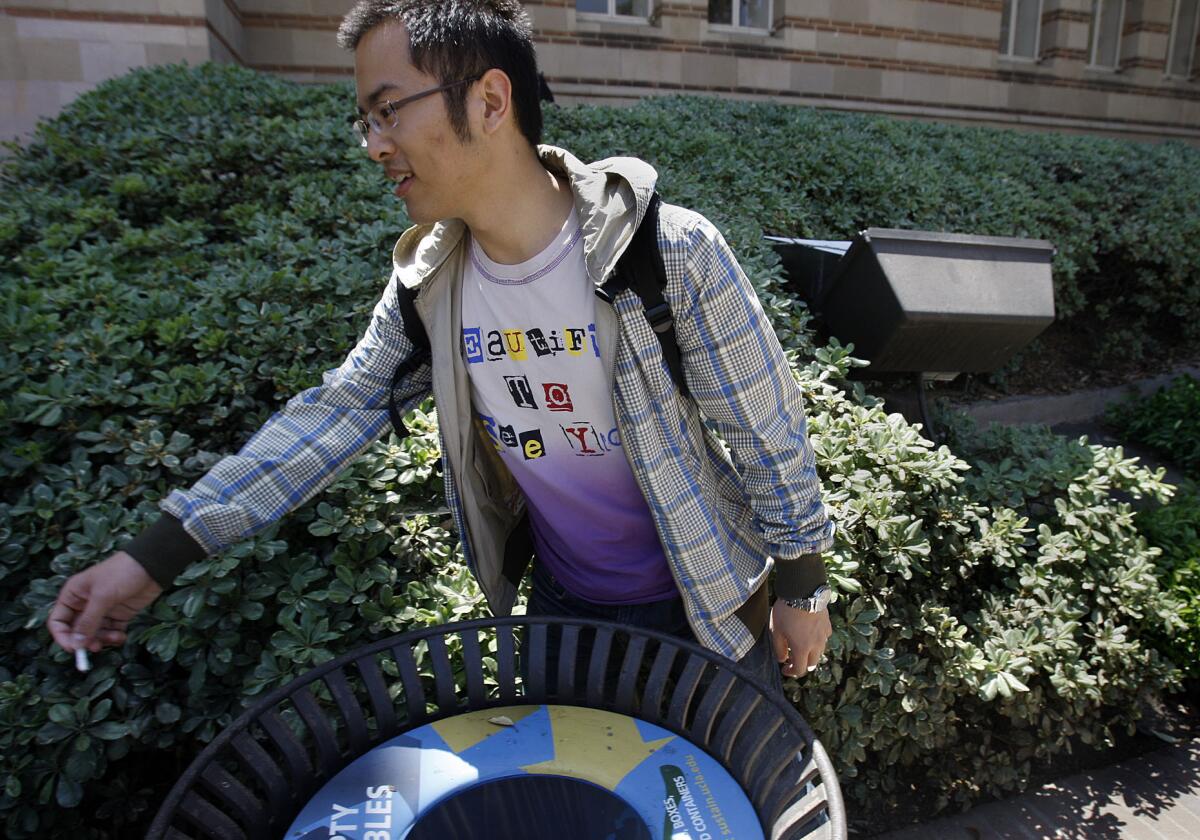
column 414, row 329
column 641, row 270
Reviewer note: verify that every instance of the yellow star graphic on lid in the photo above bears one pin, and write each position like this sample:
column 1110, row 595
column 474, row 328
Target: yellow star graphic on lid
column 601, row 747
column 464, row 731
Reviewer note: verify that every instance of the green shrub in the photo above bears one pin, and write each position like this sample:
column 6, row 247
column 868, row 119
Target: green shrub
column 185, row 248
column 993, row 609
column 1122, row 215
column 1168, row 422
column 1175, row 529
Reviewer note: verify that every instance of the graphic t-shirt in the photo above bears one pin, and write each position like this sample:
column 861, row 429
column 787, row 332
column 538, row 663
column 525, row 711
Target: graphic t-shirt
column 539, row 389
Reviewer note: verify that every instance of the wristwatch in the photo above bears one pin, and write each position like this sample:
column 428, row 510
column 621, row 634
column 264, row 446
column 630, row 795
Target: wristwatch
column 817, row 602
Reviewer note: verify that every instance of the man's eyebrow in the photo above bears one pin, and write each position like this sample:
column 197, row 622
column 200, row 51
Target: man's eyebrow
column 375, row 94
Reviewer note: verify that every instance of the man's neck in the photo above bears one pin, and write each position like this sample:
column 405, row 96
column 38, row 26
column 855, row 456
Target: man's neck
column 520, row 210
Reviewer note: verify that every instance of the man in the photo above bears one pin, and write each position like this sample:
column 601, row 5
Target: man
column 563, row 433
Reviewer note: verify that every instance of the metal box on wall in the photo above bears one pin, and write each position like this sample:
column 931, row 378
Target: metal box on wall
column 940, row 302
column 809, row 265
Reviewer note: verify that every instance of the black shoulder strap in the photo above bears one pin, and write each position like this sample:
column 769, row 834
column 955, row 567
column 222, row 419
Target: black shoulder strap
column 415, row 330
column 641, row 270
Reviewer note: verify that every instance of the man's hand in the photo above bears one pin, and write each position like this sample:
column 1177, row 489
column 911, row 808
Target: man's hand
column 799, row 638
column 95, row 606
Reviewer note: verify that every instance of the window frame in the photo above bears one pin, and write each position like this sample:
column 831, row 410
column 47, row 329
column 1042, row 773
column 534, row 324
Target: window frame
column 1191, row 43
column 1006, row 51
column 737, row 27
column 1094, row 46
column 611, row 15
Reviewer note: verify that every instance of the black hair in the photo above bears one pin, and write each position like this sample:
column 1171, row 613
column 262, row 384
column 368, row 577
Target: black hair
column 459, row 39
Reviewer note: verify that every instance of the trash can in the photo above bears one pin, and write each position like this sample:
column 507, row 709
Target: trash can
column 513, row 728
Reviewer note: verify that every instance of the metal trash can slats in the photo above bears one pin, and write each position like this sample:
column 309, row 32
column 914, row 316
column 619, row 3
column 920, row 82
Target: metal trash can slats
column 252, row 780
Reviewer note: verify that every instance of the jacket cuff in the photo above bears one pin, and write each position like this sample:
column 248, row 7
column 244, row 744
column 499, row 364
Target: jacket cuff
column 799, row 577
column 164, row 550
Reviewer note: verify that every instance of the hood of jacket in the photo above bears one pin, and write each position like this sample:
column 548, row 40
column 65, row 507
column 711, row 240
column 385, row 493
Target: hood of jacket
column 611, row 197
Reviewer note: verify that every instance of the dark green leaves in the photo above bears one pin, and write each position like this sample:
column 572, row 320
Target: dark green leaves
column 183, row 249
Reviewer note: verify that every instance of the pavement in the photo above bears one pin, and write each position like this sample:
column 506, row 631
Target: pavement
column 1074, row 408
column 1152, row 797
column 1079, row 413
column 1155, row 796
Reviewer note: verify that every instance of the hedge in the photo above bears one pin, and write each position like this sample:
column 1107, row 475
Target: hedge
column 1166, row 422
column 1122, row 215
column 183, row 248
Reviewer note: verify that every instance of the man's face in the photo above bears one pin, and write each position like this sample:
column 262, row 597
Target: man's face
column 423, row 145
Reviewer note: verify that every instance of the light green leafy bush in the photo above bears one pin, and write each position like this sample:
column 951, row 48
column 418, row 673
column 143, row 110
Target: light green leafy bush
column 183, row 249
column 1175, row 529
column 1166, row 421
column 993, row 601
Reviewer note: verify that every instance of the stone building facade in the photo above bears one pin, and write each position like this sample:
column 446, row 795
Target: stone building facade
column 1128, row 68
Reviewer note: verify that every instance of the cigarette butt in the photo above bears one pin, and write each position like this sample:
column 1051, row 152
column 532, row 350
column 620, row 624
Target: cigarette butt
column 82, row 663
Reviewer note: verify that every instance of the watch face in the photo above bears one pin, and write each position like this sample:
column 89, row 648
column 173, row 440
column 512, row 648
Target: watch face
column 818, row 601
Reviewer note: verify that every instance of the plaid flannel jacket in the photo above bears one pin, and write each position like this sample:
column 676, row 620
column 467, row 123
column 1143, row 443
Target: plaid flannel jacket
column 725, row 516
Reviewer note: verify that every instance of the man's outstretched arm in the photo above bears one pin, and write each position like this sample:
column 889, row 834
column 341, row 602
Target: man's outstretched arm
column 296, row 453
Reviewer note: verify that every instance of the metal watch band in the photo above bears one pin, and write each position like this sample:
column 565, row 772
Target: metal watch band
column 816, row 602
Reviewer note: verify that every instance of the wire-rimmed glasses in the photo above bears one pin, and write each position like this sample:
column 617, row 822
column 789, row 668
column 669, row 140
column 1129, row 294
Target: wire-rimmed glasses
column 384, row 116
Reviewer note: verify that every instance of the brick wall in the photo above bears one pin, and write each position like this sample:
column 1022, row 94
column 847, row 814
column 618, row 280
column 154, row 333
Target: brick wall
column 53, row 50
column 935, row 59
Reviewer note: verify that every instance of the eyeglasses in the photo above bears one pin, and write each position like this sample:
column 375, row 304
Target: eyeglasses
column 383, row 116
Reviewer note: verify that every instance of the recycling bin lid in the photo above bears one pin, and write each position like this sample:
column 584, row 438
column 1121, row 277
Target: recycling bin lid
column 532, row 772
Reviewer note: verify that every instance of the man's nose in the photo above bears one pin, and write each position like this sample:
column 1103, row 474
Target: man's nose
column 379, row 146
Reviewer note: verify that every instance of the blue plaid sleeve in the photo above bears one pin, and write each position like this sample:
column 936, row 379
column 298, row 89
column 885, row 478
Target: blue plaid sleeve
column 303, row 447
column 743, row 384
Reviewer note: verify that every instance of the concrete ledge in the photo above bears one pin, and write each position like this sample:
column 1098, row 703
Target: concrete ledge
column 1079, row 407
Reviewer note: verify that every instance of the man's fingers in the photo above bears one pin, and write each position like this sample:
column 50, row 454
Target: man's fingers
column 803, row 636
column 88, row 623
column 74, row 595
column 94, row 607
column 60, row 631
column 780, row 645
column 62, row 615
column 789, row 663
column 798, row 662
column 111, row 638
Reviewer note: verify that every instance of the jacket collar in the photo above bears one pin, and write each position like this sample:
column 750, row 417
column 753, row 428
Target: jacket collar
column 611, row 197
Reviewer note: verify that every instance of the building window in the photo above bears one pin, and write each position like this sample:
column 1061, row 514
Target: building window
column 1181, row 58
column 1021, row 28
column 1108, row 19
column 615, row 8
column 746, row 14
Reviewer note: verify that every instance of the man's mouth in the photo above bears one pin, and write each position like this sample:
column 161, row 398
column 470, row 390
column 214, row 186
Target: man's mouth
column 402, row 180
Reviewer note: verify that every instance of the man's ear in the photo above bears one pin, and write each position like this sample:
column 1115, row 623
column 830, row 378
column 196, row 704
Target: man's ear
column 495, row 94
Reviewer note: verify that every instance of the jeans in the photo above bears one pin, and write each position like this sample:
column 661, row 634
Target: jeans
column 550, row 598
